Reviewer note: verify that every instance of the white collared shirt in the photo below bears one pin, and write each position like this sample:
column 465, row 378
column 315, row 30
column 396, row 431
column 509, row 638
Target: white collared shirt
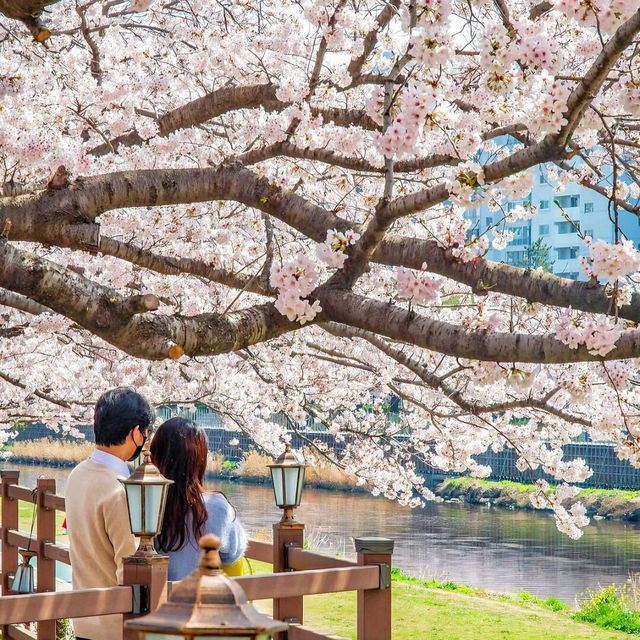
column 109, row 460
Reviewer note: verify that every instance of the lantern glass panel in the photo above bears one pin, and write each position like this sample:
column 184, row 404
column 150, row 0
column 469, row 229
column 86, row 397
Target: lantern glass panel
column 291, row 479
column 23, row 579
column 276, row 478
column 152, row 506
column 134, row 501
column 300, row 485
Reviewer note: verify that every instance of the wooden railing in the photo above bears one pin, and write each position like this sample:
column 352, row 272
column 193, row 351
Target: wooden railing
column 296, row 573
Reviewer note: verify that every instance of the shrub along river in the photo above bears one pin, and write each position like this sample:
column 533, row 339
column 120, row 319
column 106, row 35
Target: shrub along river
column 488, row 547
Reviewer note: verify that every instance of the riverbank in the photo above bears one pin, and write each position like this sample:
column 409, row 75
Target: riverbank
column 604, row 503
column 445, row 611
column 252, row 468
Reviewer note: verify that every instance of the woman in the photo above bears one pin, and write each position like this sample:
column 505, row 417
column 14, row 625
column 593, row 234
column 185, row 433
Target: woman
column 179, row 450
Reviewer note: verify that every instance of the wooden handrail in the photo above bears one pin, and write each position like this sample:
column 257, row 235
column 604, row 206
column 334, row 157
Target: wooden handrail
column 52, row 551
column 57, row 552
column 35, row 607
column 16, row 633
column 21, row 539
column 52, row 501
column 302, row 560
column 258, row 550
column 298, row 632
column 306, row 583
column 18, row 492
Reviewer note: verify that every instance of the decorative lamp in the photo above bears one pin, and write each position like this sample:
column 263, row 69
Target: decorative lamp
column 23, row 579
column 146, row 490
column 287, row 475
column 206, row 605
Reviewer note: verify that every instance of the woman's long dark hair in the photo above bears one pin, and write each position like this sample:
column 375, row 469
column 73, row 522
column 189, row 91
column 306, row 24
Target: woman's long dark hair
column 179, row 450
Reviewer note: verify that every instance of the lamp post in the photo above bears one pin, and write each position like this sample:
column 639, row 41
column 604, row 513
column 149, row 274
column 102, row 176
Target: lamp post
column 23, row 579
column 204, row 606
column 146, row 490
column 287, row 476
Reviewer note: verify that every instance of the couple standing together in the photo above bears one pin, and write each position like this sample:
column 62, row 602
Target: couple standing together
column 97, row 517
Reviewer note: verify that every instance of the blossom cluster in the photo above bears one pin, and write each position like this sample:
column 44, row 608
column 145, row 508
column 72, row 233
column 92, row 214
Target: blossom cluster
column 418, row 287
column 607, row 15
column 333, row 251
column 551, row 104
column 610, row 261
column 295, row 280
column 598, row 336
column 401, row 135
column 569, row 521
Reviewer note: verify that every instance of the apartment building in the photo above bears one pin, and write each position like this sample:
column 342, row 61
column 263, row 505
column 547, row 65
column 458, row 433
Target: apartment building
column 587, row 210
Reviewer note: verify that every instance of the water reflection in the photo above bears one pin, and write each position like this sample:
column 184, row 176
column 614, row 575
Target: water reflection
column 486, row 547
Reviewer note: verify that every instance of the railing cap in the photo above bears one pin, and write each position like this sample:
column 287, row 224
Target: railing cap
column 10, row 474
column 374, row 545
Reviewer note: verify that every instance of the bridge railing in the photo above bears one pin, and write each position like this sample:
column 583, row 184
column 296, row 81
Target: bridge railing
column 297, row 573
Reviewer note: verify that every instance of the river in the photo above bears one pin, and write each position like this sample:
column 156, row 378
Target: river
column 488, row 547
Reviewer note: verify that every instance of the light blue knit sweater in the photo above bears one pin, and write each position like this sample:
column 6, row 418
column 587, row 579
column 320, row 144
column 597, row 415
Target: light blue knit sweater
column 222, row 522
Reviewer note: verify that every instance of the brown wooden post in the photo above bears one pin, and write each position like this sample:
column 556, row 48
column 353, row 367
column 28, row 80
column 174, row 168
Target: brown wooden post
column 9, row 521
column 285, row 535
column 46, row 532
column 374, row 605
column 149, row 571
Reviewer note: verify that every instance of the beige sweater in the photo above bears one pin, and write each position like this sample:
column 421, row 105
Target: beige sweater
column 99, row 538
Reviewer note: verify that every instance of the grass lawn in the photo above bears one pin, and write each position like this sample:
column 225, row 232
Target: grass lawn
column 420, row 613
column 25, row 515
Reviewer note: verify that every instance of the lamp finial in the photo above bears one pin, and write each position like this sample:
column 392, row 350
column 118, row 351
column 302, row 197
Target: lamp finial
column 210, row 563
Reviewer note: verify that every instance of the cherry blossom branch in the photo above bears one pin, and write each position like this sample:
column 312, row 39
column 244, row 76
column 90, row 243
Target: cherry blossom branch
column 37, row 218
column 105, row 313
column 371, row 39
column 432, row 381
column 10, row 299
column 407, row 326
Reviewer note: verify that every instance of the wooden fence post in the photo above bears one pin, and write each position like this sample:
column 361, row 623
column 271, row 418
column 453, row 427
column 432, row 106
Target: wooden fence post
column 286, row 535
column 374, row 605
column 9, row 521
column 46, row 532
column 149, row 571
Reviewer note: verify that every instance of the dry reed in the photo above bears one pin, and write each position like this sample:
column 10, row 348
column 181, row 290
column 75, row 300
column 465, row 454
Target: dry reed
column 50, row 450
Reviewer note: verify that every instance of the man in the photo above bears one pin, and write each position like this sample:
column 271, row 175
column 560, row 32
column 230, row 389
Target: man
column 97, row 516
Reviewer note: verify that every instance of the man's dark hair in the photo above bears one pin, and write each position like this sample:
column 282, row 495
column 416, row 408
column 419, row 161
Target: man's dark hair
column 117, row 412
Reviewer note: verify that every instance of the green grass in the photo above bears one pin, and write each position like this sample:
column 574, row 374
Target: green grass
column 427, row 609
column 510, row 486
column 25, row 515
column 610, row 608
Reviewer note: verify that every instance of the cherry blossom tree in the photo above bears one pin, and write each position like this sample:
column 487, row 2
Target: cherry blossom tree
column 259, row 206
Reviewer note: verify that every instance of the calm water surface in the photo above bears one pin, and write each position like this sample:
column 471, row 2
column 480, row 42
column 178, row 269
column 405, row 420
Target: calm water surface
column 486, row 547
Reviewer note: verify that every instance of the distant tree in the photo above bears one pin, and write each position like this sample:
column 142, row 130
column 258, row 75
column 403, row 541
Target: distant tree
column 539, row 255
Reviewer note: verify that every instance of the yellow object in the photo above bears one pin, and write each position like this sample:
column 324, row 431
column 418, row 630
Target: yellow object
column 237, row 568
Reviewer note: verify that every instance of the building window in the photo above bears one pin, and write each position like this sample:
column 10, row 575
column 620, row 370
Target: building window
column 512, row 205
column 567, row 227
column 544, row 204
column 489, row 221
column 572, row 276
column 588, row 207
column 589, row 233
column 521, row 235
column 541, row 178
column 568, row 202
column 517, row 258
column 567, row 253
column 543, row 230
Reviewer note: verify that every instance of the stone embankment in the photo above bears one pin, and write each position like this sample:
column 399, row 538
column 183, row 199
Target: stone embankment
column 605, row 503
